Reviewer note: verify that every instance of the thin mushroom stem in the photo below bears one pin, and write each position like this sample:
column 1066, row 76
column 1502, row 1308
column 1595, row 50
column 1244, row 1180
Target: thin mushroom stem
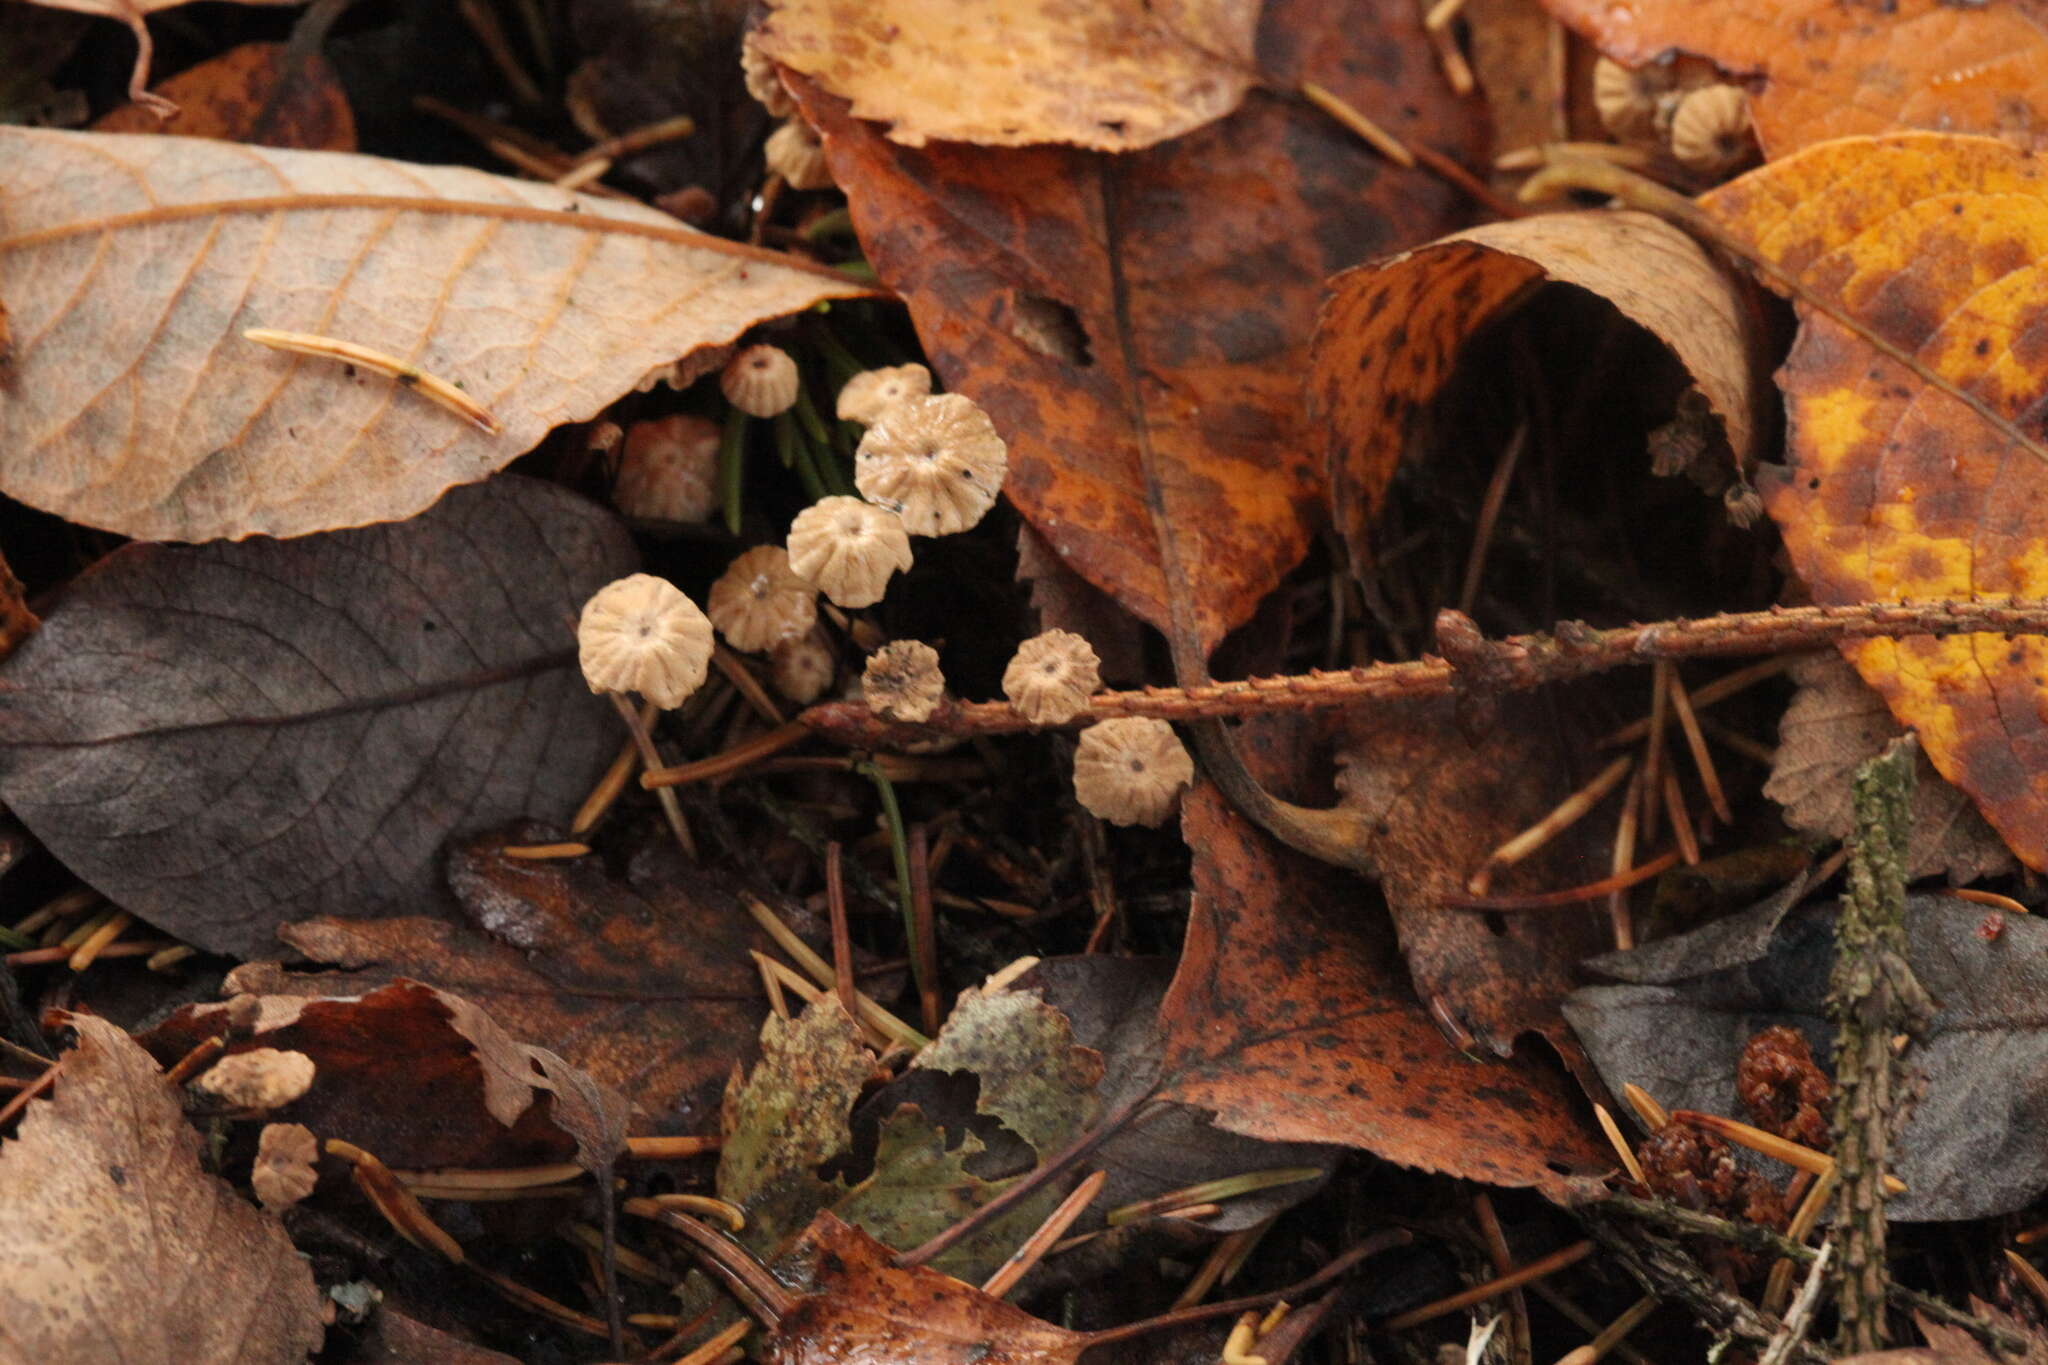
column 650, row 759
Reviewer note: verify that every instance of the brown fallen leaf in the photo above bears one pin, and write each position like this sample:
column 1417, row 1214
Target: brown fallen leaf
column 393, row 1338
column 1817, row 69
column 225, row 738
column 257, row 93
column 134, row 265
column 1137, row 326
column 645, row 983
column 1834, row 723
column 1391, row 334
column 1292, row 1023
column 1115, row 76
column 117, row 1246
column 418, row 1077
column 1895, row 488
column 1519, row 60
column 866, row 1308
column 133, row 13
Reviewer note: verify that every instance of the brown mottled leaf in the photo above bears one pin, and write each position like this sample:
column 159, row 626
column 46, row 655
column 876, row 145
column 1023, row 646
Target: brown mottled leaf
column 224, row 738
column 866, row 1308
column 1291, row 1022
column 1820, row 69
column 1115, row 75
column 134, row 264
column 1894, row 488
column 1391, row 334
column 257, row 93
column 1138, row 325
column 645, row 982
column 392, row 1338
column 1836, row 722
column 419, row 1077
column 116, row 1246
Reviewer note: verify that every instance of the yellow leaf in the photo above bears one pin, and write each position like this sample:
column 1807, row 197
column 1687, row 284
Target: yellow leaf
column 132, row 266
column 1896, row 489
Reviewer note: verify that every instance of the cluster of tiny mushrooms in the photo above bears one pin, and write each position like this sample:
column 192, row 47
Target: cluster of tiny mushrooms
column 928, row 465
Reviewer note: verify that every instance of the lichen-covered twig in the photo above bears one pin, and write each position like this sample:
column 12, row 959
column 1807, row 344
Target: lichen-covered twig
column 1473, row 663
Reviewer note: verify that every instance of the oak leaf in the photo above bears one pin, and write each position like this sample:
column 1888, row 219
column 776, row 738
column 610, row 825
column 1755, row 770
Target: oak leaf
column 133, row 265
column 1137, row 326
column 223, row 738
column 1818, row 69
column 117, row 1246
column 1894, row 487
column 1116, row 75
column 1391, row 335
column 258, row 92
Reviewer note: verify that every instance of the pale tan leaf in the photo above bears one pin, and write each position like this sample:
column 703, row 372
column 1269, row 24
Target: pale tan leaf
column 1115, row 75
column 131, row 266
column 117, row 1247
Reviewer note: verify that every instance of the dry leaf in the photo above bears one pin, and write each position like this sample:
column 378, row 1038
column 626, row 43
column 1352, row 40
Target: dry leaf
column 1896, row 489
column 645, row 983
column 1519, row 60
column 392, row 1338
column 1137, row 326
column 419, row 1077
column 253, row 93
column 1115, row 75
column 1835, row 723
column 116, row 1246
column 866, row 1308
column 132, row 13
column 1821, row 69
column 134, row 264
column 1391, row 334
column 223, row 738
column 1292, row 1023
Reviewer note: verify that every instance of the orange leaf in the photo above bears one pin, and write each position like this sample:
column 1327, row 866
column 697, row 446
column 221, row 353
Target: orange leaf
column 1822, row 68
column 1138, row 325
column 1895, row 488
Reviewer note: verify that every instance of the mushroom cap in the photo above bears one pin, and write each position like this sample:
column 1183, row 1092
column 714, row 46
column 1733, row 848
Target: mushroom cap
column 902, row 681
column 1626, row 98
column 764, row 82
column 1131, row 771
column 848, row 548
column 669, row 471
column 641, row 634
column 936, row 462
column 804, row 667
column 1710, row 129
column 760, row 381
column 794, row 153
column 759, row 601
column 260, row 1078
column 1051, row 677
column 283, row 1173
column 869, row 394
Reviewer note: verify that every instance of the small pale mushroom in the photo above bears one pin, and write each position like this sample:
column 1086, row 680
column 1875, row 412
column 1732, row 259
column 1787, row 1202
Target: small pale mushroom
column 1131, row 771
column 902, row 681
column 764, row 82
column 760, row 381
column 1710, row 130
column 642, row 634
column 848, row 548
column 803, row 668
column 283, row 1173
column 669, row 471
column 1626, row 98
column 1051, row 677
column 759, row 601
column 260, row 1079
column 794, row 153
column 936, row 462
column 871, row 393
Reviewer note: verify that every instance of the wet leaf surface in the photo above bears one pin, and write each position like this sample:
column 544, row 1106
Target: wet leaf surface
column 1893, row 488
column 117, row 1246
column 1137, row 326
column 229, row 737
column 1975, row 1143
column 136, row 263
